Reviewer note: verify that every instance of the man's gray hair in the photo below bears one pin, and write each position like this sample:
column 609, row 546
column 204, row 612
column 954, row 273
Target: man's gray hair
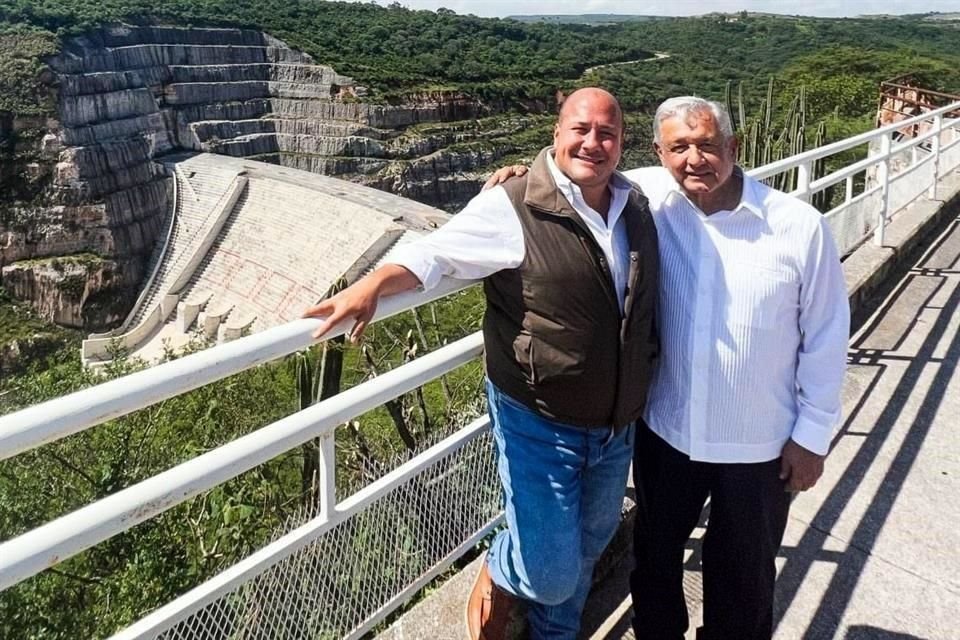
column 683, row 106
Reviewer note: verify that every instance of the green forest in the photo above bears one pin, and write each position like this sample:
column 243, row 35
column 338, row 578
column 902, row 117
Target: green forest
column 395, row 52
column 519, row 66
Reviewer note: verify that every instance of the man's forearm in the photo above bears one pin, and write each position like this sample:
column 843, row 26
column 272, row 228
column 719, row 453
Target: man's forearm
column 393, row 278
column 359, row 301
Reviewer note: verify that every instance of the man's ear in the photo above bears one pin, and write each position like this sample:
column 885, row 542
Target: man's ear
column 658, row 150
column 734, row 146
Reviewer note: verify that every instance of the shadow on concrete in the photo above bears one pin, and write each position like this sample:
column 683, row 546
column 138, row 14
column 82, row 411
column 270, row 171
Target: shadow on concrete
column 839, row 592
column 866, row 632
column 608, row 613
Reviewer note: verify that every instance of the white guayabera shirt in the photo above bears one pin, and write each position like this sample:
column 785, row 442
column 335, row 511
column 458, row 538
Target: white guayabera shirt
column 754, row 324
column 486, row 237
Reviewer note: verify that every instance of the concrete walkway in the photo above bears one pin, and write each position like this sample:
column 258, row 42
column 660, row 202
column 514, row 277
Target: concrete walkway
column 873, row 551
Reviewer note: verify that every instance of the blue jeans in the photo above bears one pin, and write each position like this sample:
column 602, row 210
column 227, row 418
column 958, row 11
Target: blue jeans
column 564, row 487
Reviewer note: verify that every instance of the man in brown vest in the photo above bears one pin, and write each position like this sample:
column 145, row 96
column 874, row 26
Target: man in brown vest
column 568, row 255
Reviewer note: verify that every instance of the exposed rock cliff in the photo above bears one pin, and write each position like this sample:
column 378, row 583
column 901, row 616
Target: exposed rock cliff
column 77, row 291
column 88, row 180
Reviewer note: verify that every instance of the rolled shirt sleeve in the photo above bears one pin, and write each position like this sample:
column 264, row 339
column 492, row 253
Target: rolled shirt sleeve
column 483, row 238
column 825, row 333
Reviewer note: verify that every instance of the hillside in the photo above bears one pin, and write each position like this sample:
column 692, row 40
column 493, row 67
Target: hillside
column 583, row 18
column 395, row 50
column 392, row 50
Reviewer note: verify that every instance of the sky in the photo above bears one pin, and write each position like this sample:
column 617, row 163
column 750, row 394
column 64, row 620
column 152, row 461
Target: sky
column 826, row 8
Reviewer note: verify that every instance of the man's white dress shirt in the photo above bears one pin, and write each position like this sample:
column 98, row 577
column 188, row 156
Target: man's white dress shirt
column 753, row 322
column 486, row 236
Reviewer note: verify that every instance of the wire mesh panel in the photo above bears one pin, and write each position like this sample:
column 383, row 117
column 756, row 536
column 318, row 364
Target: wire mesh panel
column 855, row 220
column 334, row 585
column 950, row 159
column 908, row 179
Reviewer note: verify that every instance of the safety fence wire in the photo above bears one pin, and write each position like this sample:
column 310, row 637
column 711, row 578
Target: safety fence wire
column 333, row 585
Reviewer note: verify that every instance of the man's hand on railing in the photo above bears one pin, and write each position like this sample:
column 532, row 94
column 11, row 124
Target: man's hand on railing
column 503, row 174
column 359, row 300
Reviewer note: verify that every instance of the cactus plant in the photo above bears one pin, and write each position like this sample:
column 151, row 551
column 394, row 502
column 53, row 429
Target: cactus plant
column 761, row 143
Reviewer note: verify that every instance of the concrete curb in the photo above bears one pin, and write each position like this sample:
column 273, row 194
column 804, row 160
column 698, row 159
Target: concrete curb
column 870, row 266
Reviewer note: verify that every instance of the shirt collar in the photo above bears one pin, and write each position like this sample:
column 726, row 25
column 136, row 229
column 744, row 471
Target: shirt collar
column 750, row 200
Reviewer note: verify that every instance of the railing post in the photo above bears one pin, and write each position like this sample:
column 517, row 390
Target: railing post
column 328, row 477
column 935, row 151
column 848, row 196
column 883, row 177
column 803, row 180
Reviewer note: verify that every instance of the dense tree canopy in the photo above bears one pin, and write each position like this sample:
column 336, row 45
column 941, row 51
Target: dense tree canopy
column 395, row 50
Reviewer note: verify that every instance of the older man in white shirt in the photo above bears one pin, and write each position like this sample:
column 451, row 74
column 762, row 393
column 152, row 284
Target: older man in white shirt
column 754, row 323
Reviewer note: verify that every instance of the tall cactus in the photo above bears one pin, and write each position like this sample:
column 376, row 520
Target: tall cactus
column 741, row 111
column 821, row 199
column 753, row 146
column 768, row 115
column 762, row 143
column 728, row 103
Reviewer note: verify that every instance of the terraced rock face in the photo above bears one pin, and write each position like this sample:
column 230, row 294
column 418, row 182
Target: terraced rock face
column 245, row 94
column 127, row 95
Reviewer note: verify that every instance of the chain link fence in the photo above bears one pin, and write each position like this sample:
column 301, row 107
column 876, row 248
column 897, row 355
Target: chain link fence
column 350, row 577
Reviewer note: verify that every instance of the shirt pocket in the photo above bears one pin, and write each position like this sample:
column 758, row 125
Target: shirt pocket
column 758, row 296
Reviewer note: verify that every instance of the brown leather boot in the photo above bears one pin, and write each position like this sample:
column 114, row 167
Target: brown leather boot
column 491, row 612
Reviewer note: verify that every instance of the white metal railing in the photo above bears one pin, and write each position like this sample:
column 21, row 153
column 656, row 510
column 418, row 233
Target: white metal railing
column 162, row 619
column 860, row 215
column 201, row 611
column 56, row 541
column 43, row 547
column 55, row 419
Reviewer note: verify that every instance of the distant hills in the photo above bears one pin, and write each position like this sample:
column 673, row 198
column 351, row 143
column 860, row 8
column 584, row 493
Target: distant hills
column 599, row 19
column 586, row 18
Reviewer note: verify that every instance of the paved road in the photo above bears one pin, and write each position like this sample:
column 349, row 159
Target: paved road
column 873, row 551
column 656, row 56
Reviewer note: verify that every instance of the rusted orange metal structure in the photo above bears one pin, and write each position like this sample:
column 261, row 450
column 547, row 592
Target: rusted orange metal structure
column 902, row 98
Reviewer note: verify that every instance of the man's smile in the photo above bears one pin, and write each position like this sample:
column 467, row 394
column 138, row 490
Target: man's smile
column 590, row 160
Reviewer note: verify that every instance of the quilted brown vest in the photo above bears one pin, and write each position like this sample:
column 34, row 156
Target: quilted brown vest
column 553, row 333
